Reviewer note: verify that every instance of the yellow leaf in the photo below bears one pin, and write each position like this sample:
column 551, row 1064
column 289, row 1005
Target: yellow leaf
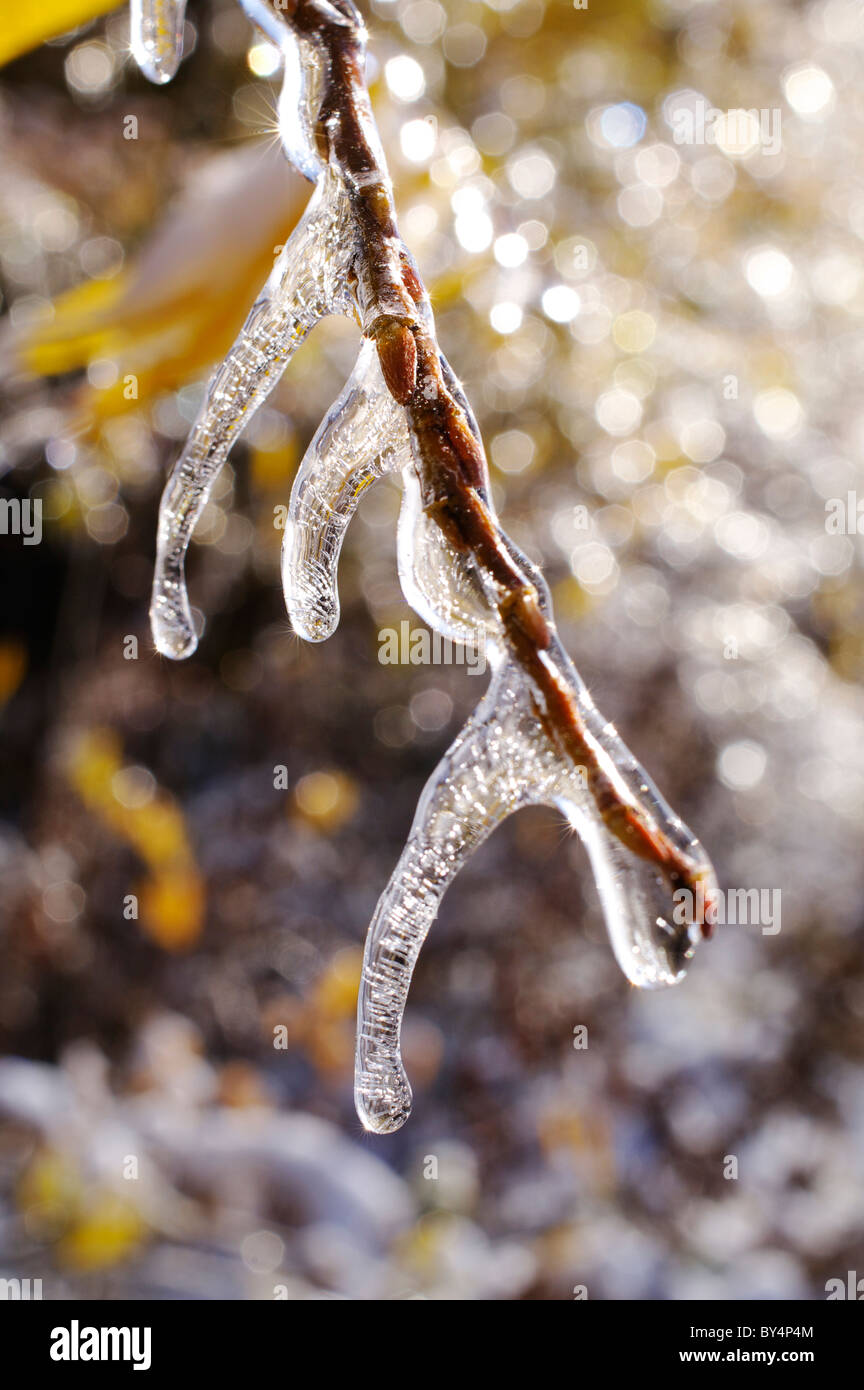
column 336, row 990
column 13, row 665
column 172, row 908
column 172, row 898
column 48, row 1192
column 176, row 308
column 326, row 800
column 25, row 24
column 108, row 1230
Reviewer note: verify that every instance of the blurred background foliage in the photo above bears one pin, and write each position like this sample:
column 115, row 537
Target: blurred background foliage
column 663, row 343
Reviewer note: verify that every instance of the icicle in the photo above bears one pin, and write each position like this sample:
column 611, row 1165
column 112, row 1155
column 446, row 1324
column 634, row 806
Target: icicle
column 653, row 937
column 464, row 799
column 500, row 762
column 307, row 282
column 156, row 33
column 299, row 98
column 363, row 436
column 439, row 583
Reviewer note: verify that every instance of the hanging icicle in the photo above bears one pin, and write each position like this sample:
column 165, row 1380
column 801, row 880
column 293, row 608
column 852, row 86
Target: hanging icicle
column 307, row 282
column 536, row 737
column 362, row 437
column 156, row 34
column 498, row 763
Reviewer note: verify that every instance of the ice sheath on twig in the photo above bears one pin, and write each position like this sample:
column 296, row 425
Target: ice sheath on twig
column 536, row 737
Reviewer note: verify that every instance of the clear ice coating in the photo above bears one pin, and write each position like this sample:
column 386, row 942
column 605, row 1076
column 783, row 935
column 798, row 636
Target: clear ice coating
column 507, row 755
column 362, row 437
column 307, row 282
column 301, row 78
column 156, row 35
column 500, row 761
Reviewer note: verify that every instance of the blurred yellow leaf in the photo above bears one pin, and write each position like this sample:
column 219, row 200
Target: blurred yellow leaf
column 93, row 1226
column 48, row 1192
column 335, row 994
column 272, row 468
column 172, row 898
column 323, row 1023
column 177, row 307
column 172, row 908
column 13, row 665
column 24, row 24
column 326, row 800
column 107, row 1231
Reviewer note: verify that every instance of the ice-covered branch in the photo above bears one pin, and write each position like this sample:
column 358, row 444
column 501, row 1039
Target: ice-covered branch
column 496, row 765
column 536, row 736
